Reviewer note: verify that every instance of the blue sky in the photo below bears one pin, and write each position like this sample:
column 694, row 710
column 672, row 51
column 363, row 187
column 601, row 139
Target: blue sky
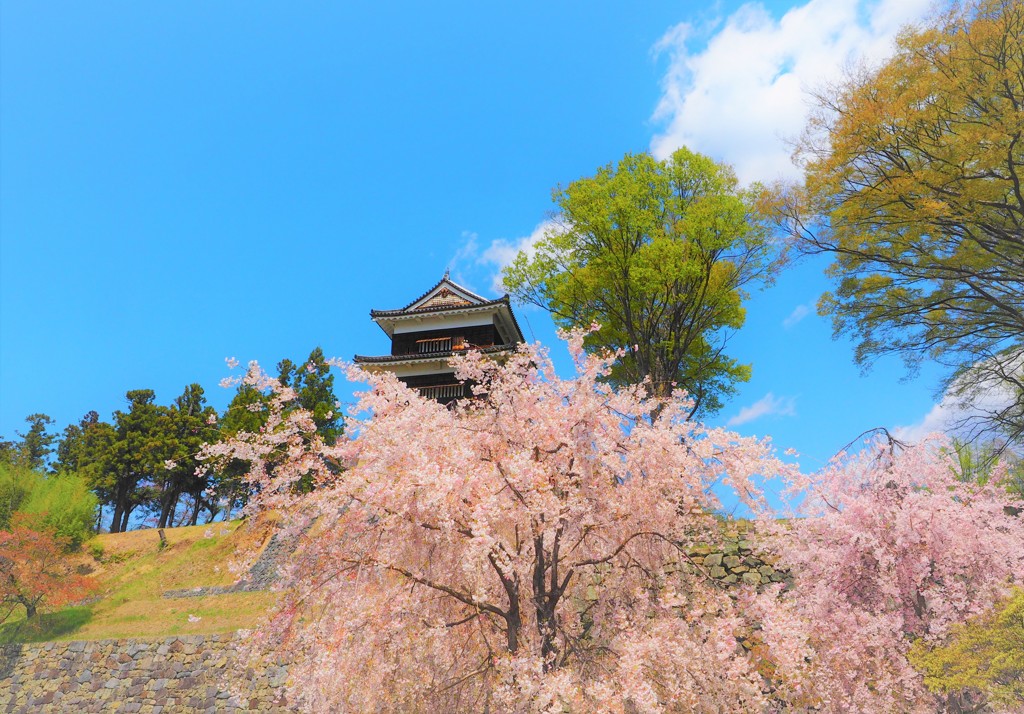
column 184, row 182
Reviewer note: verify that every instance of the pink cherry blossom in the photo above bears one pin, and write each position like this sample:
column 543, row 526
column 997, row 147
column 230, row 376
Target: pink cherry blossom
column 527, row 551
column 893, row 546
column 524, row 549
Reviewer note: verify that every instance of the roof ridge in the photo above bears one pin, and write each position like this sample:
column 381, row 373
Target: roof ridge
column 442, row 308
column 439, row 283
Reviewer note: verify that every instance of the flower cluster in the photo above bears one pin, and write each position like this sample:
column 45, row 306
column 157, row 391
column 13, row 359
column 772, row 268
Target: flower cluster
column 527, row 550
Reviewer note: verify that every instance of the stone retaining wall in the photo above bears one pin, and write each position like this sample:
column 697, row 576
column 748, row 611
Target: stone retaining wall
column 735, row 561
column 261, row 576
column 190, row 673
column 201, row 673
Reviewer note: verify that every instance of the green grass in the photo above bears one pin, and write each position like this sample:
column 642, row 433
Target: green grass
column 133, row 571
column 46, row 626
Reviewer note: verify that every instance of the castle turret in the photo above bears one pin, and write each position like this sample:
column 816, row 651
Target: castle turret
column 445, row 320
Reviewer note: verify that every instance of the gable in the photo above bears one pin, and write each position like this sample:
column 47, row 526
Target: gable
column 443, row 298
column 446, row 294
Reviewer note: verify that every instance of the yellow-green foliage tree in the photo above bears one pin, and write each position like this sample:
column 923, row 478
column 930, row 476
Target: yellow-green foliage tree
column 60, row 504
column 985, row 655
column 914, row 174
column 660, row 254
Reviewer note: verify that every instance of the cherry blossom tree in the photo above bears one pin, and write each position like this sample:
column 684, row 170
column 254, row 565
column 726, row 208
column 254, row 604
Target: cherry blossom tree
column 522, row 551
column 527, row 551
column 894, row 546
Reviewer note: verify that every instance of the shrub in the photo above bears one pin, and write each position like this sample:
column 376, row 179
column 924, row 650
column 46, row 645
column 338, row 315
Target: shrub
column 61, row 504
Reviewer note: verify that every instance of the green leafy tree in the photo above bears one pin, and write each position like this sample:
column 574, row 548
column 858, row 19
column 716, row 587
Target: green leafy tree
column 60, row 504
column 913, row 185
column 16, row 483
column 86, row 449
column 989, row 462
column 63, row 506
column 984, row 656
column 660, row 253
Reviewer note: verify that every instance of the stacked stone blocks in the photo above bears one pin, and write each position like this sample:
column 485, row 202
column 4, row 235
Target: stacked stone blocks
column 187, row 674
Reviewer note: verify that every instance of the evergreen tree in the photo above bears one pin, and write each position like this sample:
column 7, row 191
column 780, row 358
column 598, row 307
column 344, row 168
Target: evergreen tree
column 141, row 446
column 247, row 413
column 71, row 444
column 312, row 387
column 313, row 384
column 188, row 430
column 8, row 451
column 36, row 444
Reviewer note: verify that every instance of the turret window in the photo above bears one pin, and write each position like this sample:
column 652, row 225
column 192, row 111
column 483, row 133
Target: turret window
column 437, row 344
column 443, row 391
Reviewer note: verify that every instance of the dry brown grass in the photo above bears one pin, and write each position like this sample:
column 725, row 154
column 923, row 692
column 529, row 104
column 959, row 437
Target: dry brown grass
column 134, row 571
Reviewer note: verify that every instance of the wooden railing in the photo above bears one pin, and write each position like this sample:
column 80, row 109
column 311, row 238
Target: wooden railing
column 443, row 391
column 440, row 344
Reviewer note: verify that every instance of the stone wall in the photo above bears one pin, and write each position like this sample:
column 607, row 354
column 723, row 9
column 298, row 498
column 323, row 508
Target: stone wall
column 735, row 561
column 201, row 673
column 261, row 576
column 190, row 673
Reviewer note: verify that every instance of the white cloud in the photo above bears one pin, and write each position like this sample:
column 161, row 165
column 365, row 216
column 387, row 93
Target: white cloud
column 940, row 418
column 768, row 405
column 501, row 252
column 741, row 97
column 956, row 416
column 498, row 255
column 798, row 314
column 469, row 249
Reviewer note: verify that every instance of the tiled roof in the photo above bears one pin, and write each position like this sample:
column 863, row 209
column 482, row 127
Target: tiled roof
column 483, row 303
column 438, row 284
column 427, row 357
column 439, row 308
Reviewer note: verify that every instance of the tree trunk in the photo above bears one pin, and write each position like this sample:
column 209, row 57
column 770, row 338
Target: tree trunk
column 199, row 506
column 30, row 607
column 122, row 506
column 164, row 507
column 547, row 591
column 168, row 505
column 115, row 521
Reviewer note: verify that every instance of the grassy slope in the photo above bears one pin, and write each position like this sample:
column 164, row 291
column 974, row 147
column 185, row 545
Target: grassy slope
column 133, row 572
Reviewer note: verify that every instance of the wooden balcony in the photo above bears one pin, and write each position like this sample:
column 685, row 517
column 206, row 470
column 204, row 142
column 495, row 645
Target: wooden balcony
column 443, row 392
column 440, row 344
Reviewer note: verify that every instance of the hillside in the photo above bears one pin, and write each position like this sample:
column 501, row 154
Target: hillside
column 134, row 572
